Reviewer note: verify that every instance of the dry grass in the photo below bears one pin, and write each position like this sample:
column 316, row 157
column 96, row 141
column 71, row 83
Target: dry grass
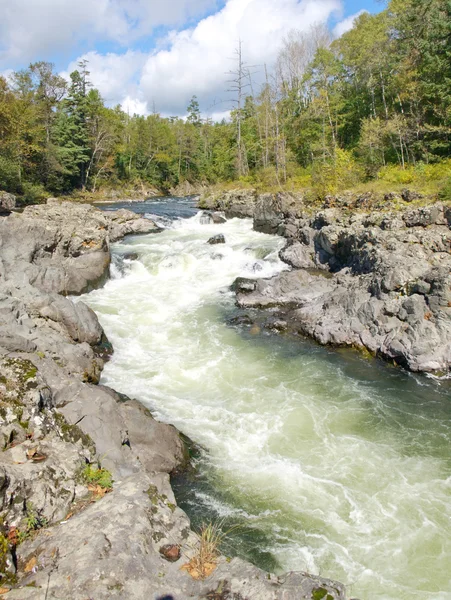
column 205, row 561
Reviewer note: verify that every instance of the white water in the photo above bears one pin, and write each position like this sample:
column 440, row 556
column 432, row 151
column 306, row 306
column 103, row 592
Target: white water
column 344, row 464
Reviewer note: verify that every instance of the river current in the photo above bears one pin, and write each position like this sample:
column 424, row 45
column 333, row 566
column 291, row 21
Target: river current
column 329, row 462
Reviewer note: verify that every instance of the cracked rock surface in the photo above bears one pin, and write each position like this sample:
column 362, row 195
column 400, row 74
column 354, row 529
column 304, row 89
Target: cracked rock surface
column 61, row 537
column 378, row 281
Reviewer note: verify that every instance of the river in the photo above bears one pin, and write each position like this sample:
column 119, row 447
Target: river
column 329, row 462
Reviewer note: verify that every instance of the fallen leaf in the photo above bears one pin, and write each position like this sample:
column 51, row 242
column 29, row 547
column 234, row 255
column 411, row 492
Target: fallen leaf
column 13, row 536
column 31, row 452
column 30, row 564
column 4, row 590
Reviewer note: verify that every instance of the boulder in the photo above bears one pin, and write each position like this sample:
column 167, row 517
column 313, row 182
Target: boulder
column 7, row 203
column 217, row 239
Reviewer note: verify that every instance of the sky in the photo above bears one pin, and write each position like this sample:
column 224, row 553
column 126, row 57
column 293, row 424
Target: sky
column 156, row 54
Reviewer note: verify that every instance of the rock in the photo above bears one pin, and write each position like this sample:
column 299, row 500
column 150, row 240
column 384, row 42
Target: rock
column 131, row 256
column 171, row 552
column 7, row 203
column 64, row 247
column 244, row 286
column 205, row 218
column 410, row 195
column 217, row 239
column 422, row 217
column 298, row 255
column 383, row 284
column 271, row 209
column 233, row 203
column 218, row 218
column 112, row 550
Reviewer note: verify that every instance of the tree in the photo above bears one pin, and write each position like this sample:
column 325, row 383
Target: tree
column 194, row 112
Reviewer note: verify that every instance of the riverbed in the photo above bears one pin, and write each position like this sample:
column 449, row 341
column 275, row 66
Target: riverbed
column 328, row 462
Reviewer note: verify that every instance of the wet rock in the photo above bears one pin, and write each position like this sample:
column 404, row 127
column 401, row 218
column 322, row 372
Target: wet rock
column 218, row 218
column 131, row 256
column 205, row 218
column 217, row 239
column 244, row 286
column 241, row 320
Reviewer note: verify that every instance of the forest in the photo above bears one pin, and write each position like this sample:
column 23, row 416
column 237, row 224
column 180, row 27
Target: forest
column 371, row 106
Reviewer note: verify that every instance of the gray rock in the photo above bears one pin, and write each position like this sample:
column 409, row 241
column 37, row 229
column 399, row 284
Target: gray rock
column 64, row 247
column 7, row 202
column 299, row 256
column 410, row 195
column 388, row 290
column 218, row 218
column 217, row 239
column 112, row 550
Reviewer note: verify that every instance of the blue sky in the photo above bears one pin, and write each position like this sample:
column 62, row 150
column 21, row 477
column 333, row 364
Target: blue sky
column 160, row 52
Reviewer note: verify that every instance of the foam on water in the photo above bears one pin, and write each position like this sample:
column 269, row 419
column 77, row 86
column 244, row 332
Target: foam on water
column 343, row 464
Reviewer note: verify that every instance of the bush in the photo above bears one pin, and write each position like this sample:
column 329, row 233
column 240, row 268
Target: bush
column 396, row 174
column 9, row 175
column 445, row 191
column 98, row 477
column 33, row 193
column 336, row 174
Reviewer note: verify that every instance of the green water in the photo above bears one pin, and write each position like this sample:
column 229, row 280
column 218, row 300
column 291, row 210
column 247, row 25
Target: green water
column 330, row 463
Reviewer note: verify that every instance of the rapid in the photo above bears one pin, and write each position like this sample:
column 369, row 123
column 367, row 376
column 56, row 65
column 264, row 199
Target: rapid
column 328, row 462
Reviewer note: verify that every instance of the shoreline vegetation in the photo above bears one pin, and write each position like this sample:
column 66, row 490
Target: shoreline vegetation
column 368, row 112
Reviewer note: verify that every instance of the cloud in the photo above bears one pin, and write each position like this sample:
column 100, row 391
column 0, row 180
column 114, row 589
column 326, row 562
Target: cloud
column 114, row 75
column 347, row 24
column 185, row 61
column 196, row 61
column 34, row 29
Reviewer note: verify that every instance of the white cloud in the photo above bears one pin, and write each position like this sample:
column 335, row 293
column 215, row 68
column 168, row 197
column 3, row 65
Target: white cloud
column 197, row 60
column 347, row 24
column 114, row 75
column 34, row 29
column 183, row 63
column 133, row 106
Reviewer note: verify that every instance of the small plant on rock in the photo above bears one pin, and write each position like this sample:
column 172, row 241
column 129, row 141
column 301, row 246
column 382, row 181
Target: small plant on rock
column 205, row 561
column 97, row 477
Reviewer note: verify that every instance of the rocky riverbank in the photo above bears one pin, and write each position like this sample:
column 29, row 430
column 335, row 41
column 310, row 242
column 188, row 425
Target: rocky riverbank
column 87, row 509
column 363, row 275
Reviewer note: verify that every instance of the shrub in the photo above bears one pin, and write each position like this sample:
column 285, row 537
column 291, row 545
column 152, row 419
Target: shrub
column 98, row 477
column 338, row 173
column 445, row 191
column 33, row 193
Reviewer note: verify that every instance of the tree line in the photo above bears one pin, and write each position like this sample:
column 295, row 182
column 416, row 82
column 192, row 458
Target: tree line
column 330, row 113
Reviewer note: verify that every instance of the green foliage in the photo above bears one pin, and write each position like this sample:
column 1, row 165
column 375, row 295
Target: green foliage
column 97, row 476
column 3, row 554
column 336, row 174
column 33, row 193
column 372, row 105
column 445, row 191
